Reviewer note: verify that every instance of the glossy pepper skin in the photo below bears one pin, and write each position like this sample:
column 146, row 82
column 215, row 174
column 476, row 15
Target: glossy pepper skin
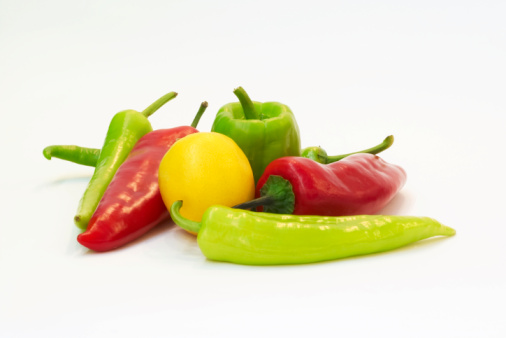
column 132, row 203
column 264, row 131
column 125, row 129
column 256, row 238
column 358, row 184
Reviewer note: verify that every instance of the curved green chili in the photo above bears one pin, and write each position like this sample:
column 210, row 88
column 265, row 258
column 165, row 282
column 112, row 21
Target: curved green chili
column 125, row 129
column 259, row 238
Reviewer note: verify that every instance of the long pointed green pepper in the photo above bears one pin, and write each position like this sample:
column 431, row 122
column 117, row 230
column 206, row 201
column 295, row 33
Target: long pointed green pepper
column 125, row 129
column 259, row 238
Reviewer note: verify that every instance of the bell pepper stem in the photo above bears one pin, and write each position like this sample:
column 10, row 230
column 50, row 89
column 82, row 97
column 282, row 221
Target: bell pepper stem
column 387, row 142
column 202, row 109
column 182, row 222
column 158, row 103
column 248, row 107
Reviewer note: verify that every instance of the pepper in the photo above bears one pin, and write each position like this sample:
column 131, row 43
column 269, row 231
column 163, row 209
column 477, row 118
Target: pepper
column 256, row 238
column 205, row 169
column 73, row 153
column 358, row 184
column 132, row 203
column 125, row 129
column 264, row 131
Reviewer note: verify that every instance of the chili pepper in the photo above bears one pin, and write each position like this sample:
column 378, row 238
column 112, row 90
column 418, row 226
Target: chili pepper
column 125, row 129
column 264, row 131
column 319, row 155
column 132, row 203
column 257, row 238
column 76, row 154
column 357, row 184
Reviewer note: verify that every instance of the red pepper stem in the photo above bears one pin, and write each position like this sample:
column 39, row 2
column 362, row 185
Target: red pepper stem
column 257, row 202
column 202, row 109
column 387, row 142
column 276, row 196
column 158, row 103
column 184, row 223
column 248, row 107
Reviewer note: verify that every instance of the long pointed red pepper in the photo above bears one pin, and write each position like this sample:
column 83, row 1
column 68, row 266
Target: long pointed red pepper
column 359, row 184
column 132, row 204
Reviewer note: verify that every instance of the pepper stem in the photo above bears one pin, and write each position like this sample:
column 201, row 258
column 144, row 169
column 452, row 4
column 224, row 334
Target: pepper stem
column 319, row 155
column 387, row 142
column 247, row 105
column 76, row 154
column 276, row 196
column 257, row 202
column 184, row 223
column 202, row 109
column 158, row 103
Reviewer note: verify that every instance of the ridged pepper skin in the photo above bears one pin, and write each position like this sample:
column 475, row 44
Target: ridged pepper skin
column 264, row 131
column 358, row 184
column 257, row 238
column 132, row 204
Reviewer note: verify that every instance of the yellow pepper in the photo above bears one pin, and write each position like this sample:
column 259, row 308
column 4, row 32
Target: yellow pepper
column 204, row 169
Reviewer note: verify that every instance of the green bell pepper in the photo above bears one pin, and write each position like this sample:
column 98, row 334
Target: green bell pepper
column 264, row 131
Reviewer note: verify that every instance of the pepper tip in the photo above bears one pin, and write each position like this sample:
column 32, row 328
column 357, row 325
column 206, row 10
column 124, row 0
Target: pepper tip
column 47, row 153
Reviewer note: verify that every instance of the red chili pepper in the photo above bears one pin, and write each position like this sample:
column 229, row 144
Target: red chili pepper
column 132, row 204
column 358, row 184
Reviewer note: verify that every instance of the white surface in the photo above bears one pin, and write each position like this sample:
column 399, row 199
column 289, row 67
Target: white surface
column 432, row 73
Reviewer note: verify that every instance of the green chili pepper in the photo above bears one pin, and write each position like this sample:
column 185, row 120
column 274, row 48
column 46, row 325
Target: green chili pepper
column 264, row 131
column 76, row 154
column 258, row 238
column 125, row 129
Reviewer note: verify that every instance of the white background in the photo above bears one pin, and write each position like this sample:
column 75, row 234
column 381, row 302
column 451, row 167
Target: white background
column 432, row 73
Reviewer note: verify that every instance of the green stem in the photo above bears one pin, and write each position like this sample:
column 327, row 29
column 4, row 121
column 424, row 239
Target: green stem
column 247, row 105
column 387, row 142
column 261, row 201
column 276, row 196
column 202, row 109
column 76, row 154
column 158, row 103
column 184, row 223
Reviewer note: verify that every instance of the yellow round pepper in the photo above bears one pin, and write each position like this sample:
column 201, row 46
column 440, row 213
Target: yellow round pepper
column 205, row 169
